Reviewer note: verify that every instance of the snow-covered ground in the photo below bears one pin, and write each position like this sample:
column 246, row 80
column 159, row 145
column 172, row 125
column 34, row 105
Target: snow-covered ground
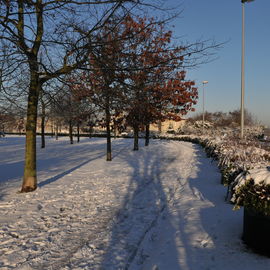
column 161, row 208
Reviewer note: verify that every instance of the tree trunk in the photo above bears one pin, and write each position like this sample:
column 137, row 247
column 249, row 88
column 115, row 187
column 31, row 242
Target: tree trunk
column 136, row 138
column 147, row 134
column 52, row 131
column 115, row 130
column 108, row 132
column 159, row 127
column 70, row 132
column 78, row 132
column 30, row 173
column 56, row 130
column 90, row 133
column 42, row 124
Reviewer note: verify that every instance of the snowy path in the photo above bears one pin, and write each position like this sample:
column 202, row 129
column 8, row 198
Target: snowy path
column 161, row 208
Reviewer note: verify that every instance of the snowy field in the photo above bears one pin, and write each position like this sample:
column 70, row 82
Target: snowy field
column 161, row 208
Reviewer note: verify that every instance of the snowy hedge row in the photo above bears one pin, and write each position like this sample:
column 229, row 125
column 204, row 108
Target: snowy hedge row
column 244, row 166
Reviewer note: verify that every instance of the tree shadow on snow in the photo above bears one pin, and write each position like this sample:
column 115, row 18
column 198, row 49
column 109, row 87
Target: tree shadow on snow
column 80, row 159
column 142, row 207
column 57, row 177
column 58, row 159
column 10, row 173
column 189, row 239
column 205, row 237
column 11, row 170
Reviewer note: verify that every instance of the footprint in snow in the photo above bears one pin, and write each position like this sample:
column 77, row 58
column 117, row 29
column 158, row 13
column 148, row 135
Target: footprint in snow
column 204, row 243
column 198, row 194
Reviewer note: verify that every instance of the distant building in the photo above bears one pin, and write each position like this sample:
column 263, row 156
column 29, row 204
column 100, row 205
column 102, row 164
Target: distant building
column 168, row 126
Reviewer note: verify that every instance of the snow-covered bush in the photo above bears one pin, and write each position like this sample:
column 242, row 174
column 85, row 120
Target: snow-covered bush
column 195, row 128
column 238, row 159
column 236, row 156
column 252, row 190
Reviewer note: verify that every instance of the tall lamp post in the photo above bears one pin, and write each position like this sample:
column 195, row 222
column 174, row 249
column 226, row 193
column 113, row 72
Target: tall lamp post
column 204, row 82
column 242, row 107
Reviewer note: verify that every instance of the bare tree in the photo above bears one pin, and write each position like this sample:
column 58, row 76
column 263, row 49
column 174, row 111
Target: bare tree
column 224, row 119
column 28, row 26
column 63, row 32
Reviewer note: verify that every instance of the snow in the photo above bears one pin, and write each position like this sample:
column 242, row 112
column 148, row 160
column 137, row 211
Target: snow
column 159, row 208
column 259, row 175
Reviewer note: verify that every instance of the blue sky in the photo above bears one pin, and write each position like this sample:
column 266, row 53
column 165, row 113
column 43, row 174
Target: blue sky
column 221, row 20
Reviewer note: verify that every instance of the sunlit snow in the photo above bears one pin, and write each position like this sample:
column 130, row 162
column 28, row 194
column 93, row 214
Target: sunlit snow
column 159, row 208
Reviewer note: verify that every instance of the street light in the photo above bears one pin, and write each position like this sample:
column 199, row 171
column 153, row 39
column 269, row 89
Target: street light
column 242, row 108
column 204, row 82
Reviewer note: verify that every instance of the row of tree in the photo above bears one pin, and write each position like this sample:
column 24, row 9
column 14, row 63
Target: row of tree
column 88, row 56
column 134, row 77
column 225, row 119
